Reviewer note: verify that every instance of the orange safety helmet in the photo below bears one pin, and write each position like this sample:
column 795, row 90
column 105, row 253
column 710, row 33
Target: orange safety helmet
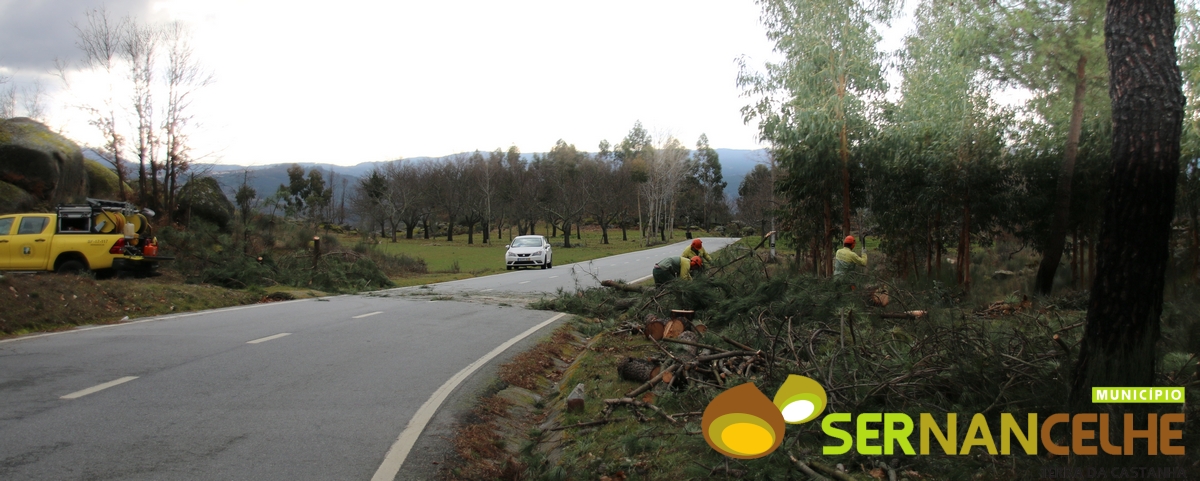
column 696, row 244
column 849, row 241
column 697, row 262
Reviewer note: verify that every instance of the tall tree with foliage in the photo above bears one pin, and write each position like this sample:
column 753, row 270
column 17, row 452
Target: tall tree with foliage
column 706, row 169
column 1054, row 49
column 1122, row 326
column 816, row 98
column 937, row 167
column 812, row 106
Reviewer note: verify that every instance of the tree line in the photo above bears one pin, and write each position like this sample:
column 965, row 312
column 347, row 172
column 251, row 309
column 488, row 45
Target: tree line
column 637, row 184
column 949, row 160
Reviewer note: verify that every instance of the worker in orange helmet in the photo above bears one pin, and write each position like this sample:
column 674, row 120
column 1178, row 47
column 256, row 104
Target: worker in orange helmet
column 672, row 267
column 697, row 249
column 845, row 260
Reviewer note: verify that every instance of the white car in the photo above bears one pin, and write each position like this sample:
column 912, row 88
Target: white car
column 528, row 251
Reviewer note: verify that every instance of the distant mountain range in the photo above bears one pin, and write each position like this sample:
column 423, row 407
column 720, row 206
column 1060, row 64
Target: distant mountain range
column 265, row 179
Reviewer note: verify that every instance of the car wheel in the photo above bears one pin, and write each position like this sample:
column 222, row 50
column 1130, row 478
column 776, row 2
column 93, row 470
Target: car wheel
column 508, row 268
column 71, row 267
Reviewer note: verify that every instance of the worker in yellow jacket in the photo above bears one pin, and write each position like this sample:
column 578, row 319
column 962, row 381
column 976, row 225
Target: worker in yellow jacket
column 696, row 249
column 845, row 260
column 672, row 267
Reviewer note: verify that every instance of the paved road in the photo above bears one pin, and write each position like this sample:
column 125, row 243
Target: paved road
column 629, row 267
column 311, row 389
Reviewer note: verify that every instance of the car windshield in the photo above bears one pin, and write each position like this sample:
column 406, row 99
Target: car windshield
column 527, row 243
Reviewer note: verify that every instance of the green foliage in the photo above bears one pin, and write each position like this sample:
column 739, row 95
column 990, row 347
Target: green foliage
column 205, row 254
column 961, row 357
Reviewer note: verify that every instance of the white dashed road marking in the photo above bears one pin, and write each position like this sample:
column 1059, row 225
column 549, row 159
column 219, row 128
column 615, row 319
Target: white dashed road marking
column 369, row 314
column 97, row 388
column 268, row 338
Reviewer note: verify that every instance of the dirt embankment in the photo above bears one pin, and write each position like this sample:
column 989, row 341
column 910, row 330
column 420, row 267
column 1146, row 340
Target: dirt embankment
column 47, row 302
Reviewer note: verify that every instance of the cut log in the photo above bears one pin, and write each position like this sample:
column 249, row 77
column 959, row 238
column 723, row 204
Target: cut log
column 575, row 399
column 682, row 314
column 637, row 370
column 700, row 328
column 622, row 286
column 674, row 328
column 655, row 329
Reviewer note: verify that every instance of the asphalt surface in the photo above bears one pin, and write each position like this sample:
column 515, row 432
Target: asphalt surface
column 309, row 389
column 628, row 267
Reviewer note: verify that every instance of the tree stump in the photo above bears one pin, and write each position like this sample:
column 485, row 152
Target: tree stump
column 575, row 399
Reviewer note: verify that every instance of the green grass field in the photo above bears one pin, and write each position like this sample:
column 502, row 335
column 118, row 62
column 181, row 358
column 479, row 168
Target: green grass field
column 458, row 260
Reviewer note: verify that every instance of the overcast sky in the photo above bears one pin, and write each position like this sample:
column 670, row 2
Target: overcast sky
column 352, row 81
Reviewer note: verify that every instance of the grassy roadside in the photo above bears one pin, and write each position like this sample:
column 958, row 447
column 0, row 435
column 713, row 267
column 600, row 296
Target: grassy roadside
column 47, row 302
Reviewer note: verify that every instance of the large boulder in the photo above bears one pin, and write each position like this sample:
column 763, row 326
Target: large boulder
column 202, row 198
column 40, row 167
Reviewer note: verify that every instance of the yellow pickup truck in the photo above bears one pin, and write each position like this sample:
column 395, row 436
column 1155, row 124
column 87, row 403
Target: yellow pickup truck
column 98, row 236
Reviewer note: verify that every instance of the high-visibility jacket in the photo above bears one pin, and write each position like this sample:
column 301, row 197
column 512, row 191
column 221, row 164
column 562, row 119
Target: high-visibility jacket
column 689, row 253
column 845, row 260
column 675, row 266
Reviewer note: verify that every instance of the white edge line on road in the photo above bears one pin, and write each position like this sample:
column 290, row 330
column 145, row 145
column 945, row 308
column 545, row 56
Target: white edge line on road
column 151, row 319
column 640, row 279
column 268, row 338
column 369, row 314
column 408, row 437
column 526, row 282
column 98, row 387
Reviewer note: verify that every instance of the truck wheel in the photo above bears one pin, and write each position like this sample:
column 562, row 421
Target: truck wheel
column 71, row 267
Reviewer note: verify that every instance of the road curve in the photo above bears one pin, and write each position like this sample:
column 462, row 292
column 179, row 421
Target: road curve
column 309, row 389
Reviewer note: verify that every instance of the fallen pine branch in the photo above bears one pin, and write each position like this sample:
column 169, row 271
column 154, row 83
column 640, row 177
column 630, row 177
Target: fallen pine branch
column 743, row 256
column 635, row 402
column 588, row 424
column 840, row 476
column 620, row 286
column 696, row 344
column 807, row 470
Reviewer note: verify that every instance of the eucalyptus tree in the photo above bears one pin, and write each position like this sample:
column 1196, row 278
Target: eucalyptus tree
column 1054, row 49
column 939, row 159
column 1124, row 310
column 184, row 77
column 813, row 105
column 706, row 169
column 635, row 153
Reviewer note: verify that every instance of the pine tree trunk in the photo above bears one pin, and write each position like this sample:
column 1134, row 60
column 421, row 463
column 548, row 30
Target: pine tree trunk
column 1062, row 201
column 1122, row 323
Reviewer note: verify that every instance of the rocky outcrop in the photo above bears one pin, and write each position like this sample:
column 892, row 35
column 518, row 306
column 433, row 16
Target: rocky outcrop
column 38, row 166
column 202, row 198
